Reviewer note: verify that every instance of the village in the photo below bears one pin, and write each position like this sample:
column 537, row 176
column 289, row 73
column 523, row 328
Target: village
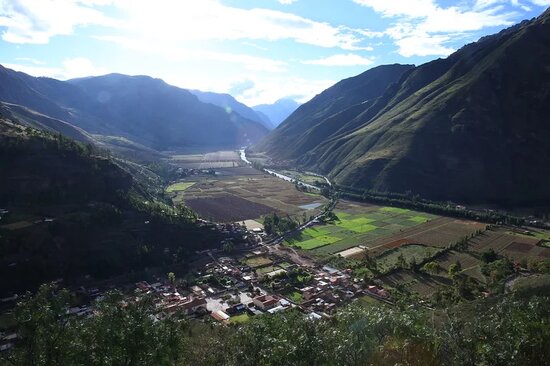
column 231, row 288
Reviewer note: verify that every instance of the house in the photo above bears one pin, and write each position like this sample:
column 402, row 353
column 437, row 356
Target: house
column 197, row 290
column 276, row 309
column 236, row 309
column 265, row 302
column 314, row 316
column 383, row 293
column 220, row 316
column 307, row 292
column 193, row 304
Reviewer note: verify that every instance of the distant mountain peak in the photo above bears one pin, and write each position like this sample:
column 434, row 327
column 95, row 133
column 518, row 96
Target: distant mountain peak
column 278, row 111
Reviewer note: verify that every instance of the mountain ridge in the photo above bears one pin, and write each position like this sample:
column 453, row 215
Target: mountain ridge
column 470, row 127
column 139, row 108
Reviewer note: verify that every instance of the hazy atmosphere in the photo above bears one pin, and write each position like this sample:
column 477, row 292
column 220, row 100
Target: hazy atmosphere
column 256, row 50
column 274, row 182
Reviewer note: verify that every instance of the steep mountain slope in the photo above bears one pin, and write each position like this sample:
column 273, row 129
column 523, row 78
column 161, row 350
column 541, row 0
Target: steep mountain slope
column 72, row 211
column 278, row 111
column 228, row 103
column 162, row 116
column 37, row 120
column 318, row 119
column 473, row 127
column 139, row 108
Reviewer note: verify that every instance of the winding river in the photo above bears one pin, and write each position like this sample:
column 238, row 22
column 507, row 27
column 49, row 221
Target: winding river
column 242, row 153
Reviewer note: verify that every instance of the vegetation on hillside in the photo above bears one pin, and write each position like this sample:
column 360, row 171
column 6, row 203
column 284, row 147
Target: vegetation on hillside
column 503, row 331
column 470, row 128
column 74, row 211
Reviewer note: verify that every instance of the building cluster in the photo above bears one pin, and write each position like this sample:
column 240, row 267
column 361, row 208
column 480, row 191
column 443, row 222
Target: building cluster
column 227, row 287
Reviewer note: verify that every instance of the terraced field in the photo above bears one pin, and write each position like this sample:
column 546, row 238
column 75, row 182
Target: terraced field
column 515, row 246
column 389, row 259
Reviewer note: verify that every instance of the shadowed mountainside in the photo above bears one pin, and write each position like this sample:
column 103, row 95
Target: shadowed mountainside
column 472, row 127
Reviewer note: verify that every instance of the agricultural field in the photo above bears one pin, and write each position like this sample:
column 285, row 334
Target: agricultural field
column 257, row 261
column 210, row 160
column 179, row 187
column 356, row 225
column 231, row 197
column 227, row 208
column 413, row 282
column 515, row 246
column 390, row 259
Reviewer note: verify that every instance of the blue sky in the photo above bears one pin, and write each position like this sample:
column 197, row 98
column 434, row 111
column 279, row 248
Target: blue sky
column 258, row 50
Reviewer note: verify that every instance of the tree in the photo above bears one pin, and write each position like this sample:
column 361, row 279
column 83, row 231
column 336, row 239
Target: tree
column 401, row 261
column 431, row 267
column 453, row 270
column 228, row 247
column 172, row 277
column 412, row 264
column 489, row 256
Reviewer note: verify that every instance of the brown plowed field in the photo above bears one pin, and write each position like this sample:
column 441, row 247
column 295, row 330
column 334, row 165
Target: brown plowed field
column 227, row 208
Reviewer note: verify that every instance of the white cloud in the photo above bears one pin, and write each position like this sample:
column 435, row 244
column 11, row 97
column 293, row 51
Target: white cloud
column 424, row 27
column 31, row 60
column 287, row 2
column 424, row 45
column 206, row 20
column 541, row 2
column 28, row 21
column 349, row 59
column 71, row 68
column 268, row 90
column 171, row 53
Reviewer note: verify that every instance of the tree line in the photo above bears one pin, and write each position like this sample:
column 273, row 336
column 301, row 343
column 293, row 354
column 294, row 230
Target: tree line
column 506, row 331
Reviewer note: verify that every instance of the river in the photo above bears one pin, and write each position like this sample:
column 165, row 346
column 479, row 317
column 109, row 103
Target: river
column 242, row 153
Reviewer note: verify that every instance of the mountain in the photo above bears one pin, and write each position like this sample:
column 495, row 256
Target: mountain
column 74, row 211
column 141, row 109
column 473, row 127
column 162, row 116
column 319, row 118
column 228, row 103
column 278, row 111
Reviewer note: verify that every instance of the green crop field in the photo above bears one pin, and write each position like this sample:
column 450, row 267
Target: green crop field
column 354, row 227
column 181, row 186
column 317, row 242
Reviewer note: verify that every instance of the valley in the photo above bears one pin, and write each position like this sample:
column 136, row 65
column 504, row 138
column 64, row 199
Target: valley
column 361, row 183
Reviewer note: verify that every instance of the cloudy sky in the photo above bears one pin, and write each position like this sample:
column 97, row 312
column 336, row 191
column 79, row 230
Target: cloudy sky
column 257, row 50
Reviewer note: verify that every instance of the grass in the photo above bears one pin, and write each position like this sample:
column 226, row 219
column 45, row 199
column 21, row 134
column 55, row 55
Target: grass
column 239, row 319
column 394, row 210
column 368, row 301
column 317, row 242
column 315, row 232
column 296, row 297
column 180, row 186
column 352, row 229
column 419, row 219
column 257, row 261
column 358, row 225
